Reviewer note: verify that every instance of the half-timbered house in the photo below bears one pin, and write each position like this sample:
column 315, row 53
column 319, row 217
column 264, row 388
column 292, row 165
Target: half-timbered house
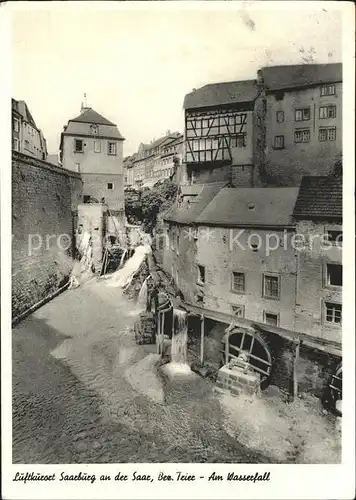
column 219, row 133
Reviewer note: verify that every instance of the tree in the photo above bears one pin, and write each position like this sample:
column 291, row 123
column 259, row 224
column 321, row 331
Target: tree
column 151, row 203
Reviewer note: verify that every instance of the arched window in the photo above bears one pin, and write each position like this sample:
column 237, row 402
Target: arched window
column 237, row 340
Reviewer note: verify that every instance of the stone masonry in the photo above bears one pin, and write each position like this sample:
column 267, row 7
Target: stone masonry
column 236, row 381
column 145, row 328
column 44, row 201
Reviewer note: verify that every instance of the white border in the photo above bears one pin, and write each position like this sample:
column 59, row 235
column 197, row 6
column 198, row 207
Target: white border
column 287, row 481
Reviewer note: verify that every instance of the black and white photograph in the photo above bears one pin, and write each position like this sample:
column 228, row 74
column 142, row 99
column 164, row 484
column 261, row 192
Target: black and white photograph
column 178, row 307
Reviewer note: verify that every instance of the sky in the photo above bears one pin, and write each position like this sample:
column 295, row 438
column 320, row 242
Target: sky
column 136, row 64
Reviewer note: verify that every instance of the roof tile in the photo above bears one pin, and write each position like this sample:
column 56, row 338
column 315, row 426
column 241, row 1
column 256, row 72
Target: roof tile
column 300, row 75
column 251, row 207
column 216, row 94
column 319, row 197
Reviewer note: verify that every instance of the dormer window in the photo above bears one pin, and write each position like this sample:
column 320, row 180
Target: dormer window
column 94, row 129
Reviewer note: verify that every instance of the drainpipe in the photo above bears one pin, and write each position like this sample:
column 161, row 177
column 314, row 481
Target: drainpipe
column 295, row 370
column 202, row 333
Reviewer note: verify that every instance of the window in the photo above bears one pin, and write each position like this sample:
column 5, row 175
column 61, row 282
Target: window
column 241, row 141
column 97, row 147
column 16, row 125
column 302, row 115
column 279, row 95
column 333, row 275
column 78, row 145
column 238, row 311
column 327, row 90
column 270, row 318
column 334, row 236
column 201, row 274
column 279, row 142
column 238, row 282
column 27, row 144
column 333, row 313
column 111, row 148
column 15, row 144
column 280, row 116
column 327, row 112
column 177, row 247
column 327, row 134
column 110, row 186
column 302, row 135
column 271, row 286
column 77, row 167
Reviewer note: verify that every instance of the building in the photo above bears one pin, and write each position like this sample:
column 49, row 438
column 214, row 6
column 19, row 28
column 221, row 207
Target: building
column 219, row 133
column 265, row 132
column 128, row 164
column 234, row 254
column 27, row 138
column 318, row 216
column 299, row 121
column 167, row 156
column 93, row 146
column 154, row 162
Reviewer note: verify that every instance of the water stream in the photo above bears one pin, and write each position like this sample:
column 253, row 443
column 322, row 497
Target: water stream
column 123, row 277
column 142, row 296
column 179, row 361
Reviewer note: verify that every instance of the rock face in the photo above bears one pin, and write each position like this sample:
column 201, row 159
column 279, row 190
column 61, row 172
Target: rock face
column 145, row 329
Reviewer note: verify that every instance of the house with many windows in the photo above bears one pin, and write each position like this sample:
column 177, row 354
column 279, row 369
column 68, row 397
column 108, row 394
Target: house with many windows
column 219, row 138
column 236, row 256
column 154, row 162
column 265, row 132
column 299, row 121
column 318, row 217
column 93, row 146
column 27, row 138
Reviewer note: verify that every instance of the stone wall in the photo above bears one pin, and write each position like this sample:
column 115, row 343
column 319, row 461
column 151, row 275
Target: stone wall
column 44, row 200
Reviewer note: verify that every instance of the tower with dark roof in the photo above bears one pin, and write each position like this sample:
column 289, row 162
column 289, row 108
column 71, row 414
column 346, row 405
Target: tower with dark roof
column 93, row 146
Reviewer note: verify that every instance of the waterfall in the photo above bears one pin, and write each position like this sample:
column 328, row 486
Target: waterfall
column 142, row 296
column 122, row 260
column 122, row 277
column 179, row 362
column 82, row 270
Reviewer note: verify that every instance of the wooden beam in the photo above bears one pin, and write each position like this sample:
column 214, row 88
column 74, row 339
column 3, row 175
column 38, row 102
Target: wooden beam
column 202, row 334
column 158, row 338
column 227, row 343
column 295, row 370
column 162, row 334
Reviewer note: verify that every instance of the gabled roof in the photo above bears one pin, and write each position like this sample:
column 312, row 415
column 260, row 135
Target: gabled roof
column 82, row 126
column 89, row 115
column 300, row 75
column 217, row 94
column 25, row 113
column 188, row 212
column 251, row 207
column 319, row 197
